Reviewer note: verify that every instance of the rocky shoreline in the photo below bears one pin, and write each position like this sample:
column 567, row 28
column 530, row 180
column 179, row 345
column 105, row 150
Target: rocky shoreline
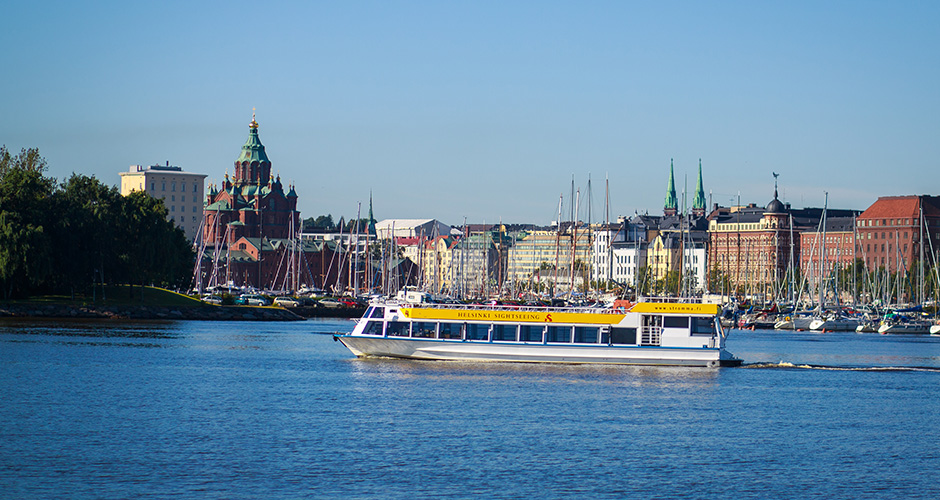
column 207, row 312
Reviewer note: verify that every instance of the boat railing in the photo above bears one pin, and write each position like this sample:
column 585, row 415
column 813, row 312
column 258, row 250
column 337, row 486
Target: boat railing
column 670, row 300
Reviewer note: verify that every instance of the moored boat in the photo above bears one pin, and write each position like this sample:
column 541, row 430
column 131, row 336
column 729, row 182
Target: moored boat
column 834, row 324
column 646, row 333
column 904, row 326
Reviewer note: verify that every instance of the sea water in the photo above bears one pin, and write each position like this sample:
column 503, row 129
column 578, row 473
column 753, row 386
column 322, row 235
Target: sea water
column 108, row 409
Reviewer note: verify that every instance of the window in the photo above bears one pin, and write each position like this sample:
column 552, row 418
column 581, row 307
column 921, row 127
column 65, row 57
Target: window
column 396, row 329
column 530, row 333
column 153, row 186
column 450, row 331
column 623, row 336
column 585, row 335
column 476, row 331
column 676, row 322
column 558, row 334
column 173, row 186
column 183, row 187
column 194, row 187
column 373, row 328
column 424, row 330
column 164, row 186
column 703, row 326
column 504, row 332
column 194, row 208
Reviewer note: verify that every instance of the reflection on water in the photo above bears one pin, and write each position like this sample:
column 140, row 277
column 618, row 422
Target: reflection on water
column 544, row 373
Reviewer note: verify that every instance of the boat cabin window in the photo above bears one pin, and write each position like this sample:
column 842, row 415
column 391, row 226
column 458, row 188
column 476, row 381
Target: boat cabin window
column 585, row 335
column 623, row 336
column 375, row 312
column 530, row 333
column 504, row 332
column 373, row 328
column 424, row 330
column 397, row 329
column 558, row 334
column 703, row 326
column 450, row 331
column 676, row 322
column 476, row 331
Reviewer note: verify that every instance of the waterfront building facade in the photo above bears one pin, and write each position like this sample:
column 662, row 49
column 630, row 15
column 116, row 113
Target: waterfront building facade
column 749, row 247
column 898, row 231
column 544, row 257
column 825, row 250
column 181, row 192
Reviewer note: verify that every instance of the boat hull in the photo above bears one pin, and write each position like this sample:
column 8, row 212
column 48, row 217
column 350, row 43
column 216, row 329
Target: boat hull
column 451, row 350
column 904, row 329
column 834, row 325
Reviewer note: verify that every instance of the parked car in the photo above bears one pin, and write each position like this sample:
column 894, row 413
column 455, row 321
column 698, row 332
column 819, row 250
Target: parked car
column 212, row 299
column 250, row 299
column 329, row 302
column 287, row 302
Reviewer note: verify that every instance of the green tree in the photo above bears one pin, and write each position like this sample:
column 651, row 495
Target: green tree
column 86, row 239
column 24, row 240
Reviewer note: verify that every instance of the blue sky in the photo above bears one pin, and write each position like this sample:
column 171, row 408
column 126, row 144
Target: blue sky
column 486, row 110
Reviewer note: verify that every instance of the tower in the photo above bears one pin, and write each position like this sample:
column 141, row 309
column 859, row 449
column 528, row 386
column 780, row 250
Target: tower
column 252, row 166
column 672, row 204
column 698, row 203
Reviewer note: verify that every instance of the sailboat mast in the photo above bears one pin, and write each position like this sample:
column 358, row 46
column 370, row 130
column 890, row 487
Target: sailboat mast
column 822, row 253
column 574, row 243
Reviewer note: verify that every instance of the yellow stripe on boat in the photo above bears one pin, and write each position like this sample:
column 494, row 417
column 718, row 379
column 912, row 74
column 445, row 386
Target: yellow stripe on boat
column 675, row 308
column 511, row 316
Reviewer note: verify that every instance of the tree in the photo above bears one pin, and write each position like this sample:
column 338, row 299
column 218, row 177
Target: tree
column 320, row 223
column 86, row 239
column 24, row 240
column 156, row 251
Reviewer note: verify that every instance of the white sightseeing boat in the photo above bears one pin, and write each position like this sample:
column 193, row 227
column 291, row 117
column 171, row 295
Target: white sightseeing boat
column 646, row 333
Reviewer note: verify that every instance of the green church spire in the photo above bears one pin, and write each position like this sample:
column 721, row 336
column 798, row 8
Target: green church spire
column 371, row 217
column 698, row 203
column 672, row 204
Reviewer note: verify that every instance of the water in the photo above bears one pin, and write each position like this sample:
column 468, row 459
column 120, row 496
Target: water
column 273, row 410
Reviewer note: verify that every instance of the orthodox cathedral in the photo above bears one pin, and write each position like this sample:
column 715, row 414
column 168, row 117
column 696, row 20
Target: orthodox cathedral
column 253, row 204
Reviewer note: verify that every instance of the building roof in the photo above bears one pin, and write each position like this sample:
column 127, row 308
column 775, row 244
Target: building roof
column 253, row 150
column 886, row 207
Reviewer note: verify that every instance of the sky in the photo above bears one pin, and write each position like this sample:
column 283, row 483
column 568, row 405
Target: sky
column 487, row 110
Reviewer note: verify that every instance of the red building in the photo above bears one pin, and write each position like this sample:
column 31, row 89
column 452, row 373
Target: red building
column 823, row 250
column 891, row 231
column 252, row 204
column 750, row 246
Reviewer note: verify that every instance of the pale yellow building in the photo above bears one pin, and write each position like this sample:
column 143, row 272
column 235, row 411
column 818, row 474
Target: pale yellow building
column 182, row 192
column 545, row 249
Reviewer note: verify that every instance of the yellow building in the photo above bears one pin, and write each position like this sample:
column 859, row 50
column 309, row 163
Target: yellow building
column 437, row 265
column 552, row 251
column 182, row 192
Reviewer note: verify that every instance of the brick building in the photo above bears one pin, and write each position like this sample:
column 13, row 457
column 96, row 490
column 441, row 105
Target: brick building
column 889, row 231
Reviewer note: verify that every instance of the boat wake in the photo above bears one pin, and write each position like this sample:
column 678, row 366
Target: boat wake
column 783, row 365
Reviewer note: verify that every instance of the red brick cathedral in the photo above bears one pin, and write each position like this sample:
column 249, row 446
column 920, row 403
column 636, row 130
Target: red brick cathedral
column 253, row 204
